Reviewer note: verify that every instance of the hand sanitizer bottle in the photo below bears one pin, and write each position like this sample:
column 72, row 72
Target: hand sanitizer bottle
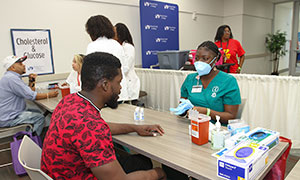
column 217, row 137
column 141, row 114
column 136, row 114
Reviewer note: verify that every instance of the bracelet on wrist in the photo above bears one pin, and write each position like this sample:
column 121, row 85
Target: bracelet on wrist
column 239, row 68
column 31, row 79
column 207, row 111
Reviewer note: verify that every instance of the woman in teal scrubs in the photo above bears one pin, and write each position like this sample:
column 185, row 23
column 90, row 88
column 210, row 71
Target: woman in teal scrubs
column 211, row 91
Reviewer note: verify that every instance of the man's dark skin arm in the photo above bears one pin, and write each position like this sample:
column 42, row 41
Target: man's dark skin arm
column 142, row 130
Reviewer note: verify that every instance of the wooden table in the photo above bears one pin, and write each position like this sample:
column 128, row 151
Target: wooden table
column 174, row 148
column 295, row 173
column 49, row 104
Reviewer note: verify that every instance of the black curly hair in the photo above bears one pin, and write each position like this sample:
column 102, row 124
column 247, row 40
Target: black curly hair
column 220, row 32
column 97, row 66
column 99, row 26
column 209, row 45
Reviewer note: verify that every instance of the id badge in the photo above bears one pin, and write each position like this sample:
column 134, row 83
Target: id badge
column 197, row 89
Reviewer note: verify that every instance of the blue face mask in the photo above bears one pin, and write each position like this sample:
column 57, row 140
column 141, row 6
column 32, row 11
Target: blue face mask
column 202, row 67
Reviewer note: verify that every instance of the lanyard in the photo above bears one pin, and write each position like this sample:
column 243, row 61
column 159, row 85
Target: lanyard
column 78, row 80
column 197, row 88
column 226, row 44
column 198, row 78
column 225, row 58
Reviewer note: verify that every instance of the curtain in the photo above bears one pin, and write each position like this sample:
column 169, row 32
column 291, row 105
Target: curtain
column 272, row 102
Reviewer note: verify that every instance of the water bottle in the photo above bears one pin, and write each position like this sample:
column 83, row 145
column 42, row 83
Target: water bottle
column 136, row 114
column 141, row 114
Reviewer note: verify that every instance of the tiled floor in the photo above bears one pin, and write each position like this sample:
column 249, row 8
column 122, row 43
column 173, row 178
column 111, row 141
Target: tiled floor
column 292, row 160
column 8, row 172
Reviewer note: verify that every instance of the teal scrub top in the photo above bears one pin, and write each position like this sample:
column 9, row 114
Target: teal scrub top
column 223, row 89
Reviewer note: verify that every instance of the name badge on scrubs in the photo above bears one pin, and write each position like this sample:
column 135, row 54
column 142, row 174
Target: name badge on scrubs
column 197, row 89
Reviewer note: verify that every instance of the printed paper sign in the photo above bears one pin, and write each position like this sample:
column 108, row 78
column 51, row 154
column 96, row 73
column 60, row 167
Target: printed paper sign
column 36, row 45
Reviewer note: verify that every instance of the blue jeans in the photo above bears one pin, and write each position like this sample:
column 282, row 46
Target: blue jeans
column 29, row 116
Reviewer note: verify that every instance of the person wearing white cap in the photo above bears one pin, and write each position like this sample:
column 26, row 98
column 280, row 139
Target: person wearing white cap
column 13, row 92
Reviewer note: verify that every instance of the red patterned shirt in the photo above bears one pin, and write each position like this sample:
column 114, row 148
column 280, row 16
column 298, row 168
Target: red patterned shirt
column 77, row 140
column 232, row 49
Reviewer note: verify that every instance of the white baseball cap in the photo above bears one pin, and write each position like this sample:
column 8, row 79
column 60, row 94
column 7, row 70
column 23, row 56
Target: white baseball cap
column 10, row 60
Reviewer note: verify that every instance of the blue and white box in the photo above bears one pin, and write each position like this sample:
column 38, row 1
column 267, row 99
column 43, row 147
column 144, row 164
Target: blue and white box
column 243, row 162
column 264, row 137
column 237, row 126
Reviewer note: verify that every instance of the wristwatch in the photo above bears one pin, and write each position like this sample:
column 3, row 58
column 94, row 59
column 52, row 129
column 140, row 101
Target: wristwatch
column 31, row 79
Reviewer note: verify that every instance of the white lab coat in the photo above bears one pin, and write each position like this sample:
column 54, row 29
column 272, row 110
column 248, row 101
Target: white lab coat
column 73, row 82
column 133, row 81
column 102, row 44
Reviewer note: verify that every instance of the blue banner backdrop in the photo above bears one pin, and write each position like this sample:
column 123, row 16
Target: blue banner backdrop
column 159, row 29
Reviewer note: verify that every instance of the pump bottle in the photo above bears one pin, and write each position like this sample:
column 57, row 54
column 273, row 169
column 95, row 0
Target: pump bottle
column 217, row 136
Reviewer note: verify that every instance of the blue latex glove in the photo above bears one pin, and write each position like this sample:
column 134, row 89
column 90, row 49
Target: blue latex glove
column 184, row 105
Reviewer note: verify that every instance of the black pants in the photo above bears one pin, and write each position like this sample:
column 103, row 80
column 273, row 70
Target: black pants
column 173, row 174
column 131, row 163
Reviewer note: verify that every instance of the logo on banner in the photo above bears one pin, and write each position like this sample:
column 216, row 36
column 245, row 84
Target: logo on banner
column 161, row 40
column 169, row 28
column 161, row 16
column 150, row 4
column 151, row 52
column 159, row 29
column 170, row 7
column 151, row 27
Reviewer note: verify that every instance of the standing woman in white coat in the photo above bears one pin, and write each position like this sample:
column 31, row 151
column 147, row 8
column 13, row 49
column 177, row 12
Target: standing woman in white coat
column 125, row 39
column 102, row 33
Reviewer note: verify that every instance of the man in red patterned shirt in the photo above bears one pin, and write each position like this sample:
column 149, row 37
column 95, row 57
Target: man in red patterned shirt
column 78, row 144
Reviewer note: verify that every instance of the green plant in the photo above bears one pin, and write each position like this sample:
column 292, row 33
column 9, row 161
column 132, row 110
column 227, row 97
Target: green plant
column 275, row 44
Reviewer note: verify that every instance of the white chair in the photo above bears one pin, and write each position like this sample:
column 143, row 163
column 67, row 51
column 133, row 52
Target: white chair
column 30, row 158
column 6, row 132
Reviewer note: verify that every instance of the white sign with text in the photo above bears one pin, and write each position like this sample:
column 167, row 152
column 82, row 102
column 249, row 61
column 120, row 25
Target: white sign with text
column 36, row 45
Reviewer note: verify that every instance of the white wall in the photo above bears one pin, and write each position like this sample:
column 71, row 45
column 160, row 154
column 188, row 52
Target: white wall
column 251, row 21
column 283, row 22
column 209, row 16
column 233, row 13
column 66, row 19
